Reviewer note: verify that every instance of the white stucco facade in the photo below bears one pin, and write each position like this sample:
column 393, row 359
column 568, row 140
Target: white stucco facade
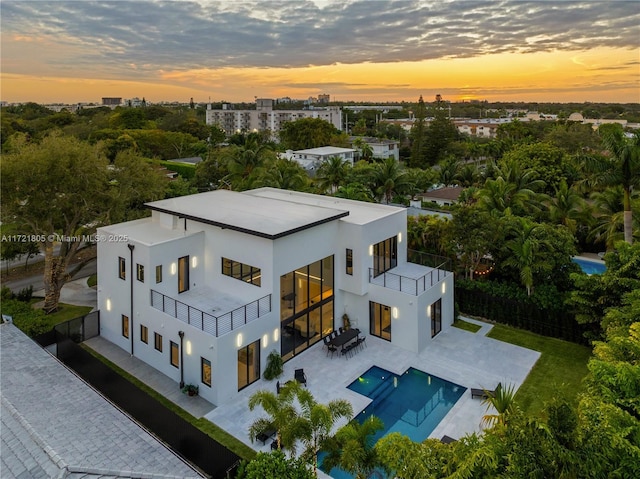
column 217, row 267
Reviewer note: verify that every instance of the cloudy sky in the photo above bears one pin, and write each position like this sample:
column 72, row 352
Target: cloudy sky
column 366, row 50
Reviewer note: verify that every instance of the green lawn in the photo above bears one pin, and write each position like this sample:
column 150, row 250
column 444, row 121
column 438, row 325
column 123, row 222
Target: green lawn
column 558, row 372
column 206, row 426
column 467, row 326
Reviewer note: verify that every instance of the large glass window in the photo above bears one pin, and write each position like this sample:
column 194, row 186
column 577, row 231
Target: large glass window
column 122, row 268
column 205, row 371
column 248, row 365
column 183, row 274
column 306, row 306
column 175, row 354
column 380, row 320
column 243, row 272
column 436, row 317
column 385, row 255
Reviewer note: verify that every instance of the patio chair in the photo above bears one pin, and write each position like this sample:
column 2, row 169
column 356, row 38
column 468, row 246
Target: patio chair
column 330, row 347
column 447, row 440
column 265, row 435
column 301, row 377
column 278, row 387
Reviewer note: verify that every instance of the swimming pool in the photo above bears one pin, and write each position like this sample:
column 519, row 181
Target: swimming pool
column 590, row 266
column 412, row 403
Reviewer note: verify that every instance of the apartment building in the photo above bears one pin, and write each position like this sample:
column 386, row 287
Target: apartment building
column 210, row 284
column 264, row 117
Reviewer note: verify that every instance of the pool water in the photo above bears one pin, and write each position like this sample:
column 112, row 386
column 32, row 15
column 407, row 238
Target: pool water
column 412, row 403
column 590, row 267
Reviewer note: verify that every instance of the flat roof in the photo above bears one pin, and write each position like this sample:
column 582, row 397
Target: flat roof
column 325, row 150
column 53, row 422
column 144, row 231
column 266, row 217
column 360, row 212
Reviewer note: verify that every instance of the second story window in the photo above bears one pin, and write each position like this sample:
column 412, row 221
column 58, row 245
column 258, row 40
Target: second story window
column 140, row 272
column 159, row 273
column 122, row 268
column 243, row 272
column 349, row 263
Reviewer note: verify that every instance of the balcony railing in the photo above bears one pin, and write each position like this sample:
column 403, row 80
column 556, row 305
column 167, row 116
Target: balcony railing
column 207, row 322
column 415, row 286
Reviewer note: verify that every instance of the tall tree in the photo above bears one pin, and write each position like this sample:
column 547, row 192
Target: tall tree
column 332, row 174
column 417, row 136
column 63, row 188
column 619, row 167
column 308, row 133
column 439, row 135
column 390, row 178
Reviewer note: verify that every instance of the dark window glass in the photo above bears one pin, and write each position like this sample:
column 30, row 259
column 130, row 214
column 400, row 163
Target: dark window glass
column 122, row 268
column 144, row 334
column 157, row 341
column 183, row 274
column 125, row 326
column 349, row 261
column 205, row 371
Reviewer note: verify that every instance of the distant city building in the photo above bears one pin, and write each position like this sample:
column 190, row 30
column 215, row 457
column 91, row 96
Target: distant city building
column 111, row 101
column 265, row 118
column 324, row 98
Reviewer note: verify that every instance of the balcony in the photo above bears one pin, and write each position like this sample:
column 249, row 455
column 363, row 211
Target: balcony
column 415, row 277
column 218, row 317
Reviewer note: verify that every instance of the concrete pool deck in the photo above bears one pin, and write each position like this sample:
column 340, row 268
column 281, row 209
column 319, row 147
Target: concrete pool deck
column 469, row 359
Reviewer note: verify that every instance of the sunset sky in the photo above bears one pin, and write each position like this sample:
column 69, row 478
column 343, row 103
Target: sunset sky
column 364, row 50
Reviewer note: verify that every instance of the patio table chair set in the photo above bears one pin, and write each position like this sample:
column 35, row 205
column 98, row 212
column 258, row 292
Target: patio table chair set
column 348, row 340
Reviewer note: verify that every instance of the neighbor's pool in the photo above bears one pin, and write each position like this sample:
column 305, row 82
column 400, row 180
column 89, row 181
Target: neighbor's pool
column 590, row 266
column 412, row 403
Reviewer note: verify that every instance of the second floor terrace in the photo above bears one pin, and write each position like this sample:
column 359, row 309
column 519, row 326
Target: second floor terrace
column 210, row 311
column 422, row 272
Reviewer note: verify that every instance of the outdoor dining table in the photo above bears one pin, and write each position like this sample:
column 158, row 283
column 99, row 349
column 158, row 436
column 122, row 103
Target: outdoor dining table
column 345, row 337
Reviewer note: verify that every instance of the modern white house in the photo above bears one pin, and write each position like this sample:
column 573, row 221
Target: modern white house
column 380, row 147
column 311, row 158
column 210, row 284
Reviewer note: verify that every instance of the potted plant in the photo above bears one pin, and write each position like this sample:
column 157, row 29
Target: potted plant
column 346, row 323
column 275, row 366
column 191, row 389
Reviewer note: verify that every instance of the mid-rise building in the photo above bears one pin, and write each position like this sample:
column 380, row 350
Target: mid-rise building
column 210, row 284
column 265, row 118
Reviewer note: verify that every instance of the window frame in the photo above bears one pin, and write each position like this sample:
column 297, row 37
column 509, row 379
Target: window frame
column 144, row 334
column 157, row 341
column 125, row 326
column 349, row 262
column 174, row 354
column 183, row 274
column 204, row 363
column 122, row 268
column 158, row 273
column 140, row 272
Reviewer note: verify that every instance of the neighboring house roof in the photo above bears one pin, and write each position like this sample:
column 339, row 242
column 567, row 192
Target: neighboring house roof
column 247, row 213
column 324, row 151
column 55, row 425
column 194, row 160
column 447, row 193
column 373, row 140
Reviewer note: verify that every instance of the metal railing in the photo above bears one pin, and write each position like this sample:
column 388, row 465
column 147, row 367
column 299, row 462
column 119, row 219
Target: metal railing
column 416, row 286
column 207, row 322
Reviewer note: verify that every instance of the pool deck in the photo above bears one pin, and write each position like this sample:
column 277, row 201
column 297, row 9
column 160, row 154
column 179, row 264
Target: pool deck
column 469, row 359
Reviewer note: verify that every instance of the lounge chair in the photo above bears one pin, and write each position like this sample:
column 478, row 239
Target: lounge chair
column 300, row 376
column 483, row 393
column 447, row 440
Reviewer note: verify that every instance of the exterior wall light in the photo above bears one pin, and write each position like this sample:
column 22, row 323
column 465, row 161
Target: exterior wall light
column 194, row 261
column 188, row 348
column 394, row 312
column 174, row 268
column 429, row 311
column 444, row 288
column 265, row 340
column 400, row 237
column 108, row 305
column 276, row 335
column 239, row 340
column 370, row 250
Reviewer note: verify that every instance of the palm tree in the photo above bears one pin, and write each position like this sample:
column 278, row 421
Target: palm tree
column 389, row 178
column 620, row 168
column 352, row 448
column 284, row 174
column 526, row 252
column 282, row 416
column 609, row 216
column 502, row 400
column 244, row 160
column 332, row 173
column 364, row 148
column 316, row 422
column 567, row 207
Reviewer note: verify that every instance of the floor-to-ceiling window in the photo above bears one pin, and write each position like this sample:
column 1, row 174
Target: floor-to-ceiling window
column 306, row 306
column 385, row 255
column 380, row 320
column 436, row 317
column 248, row 364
